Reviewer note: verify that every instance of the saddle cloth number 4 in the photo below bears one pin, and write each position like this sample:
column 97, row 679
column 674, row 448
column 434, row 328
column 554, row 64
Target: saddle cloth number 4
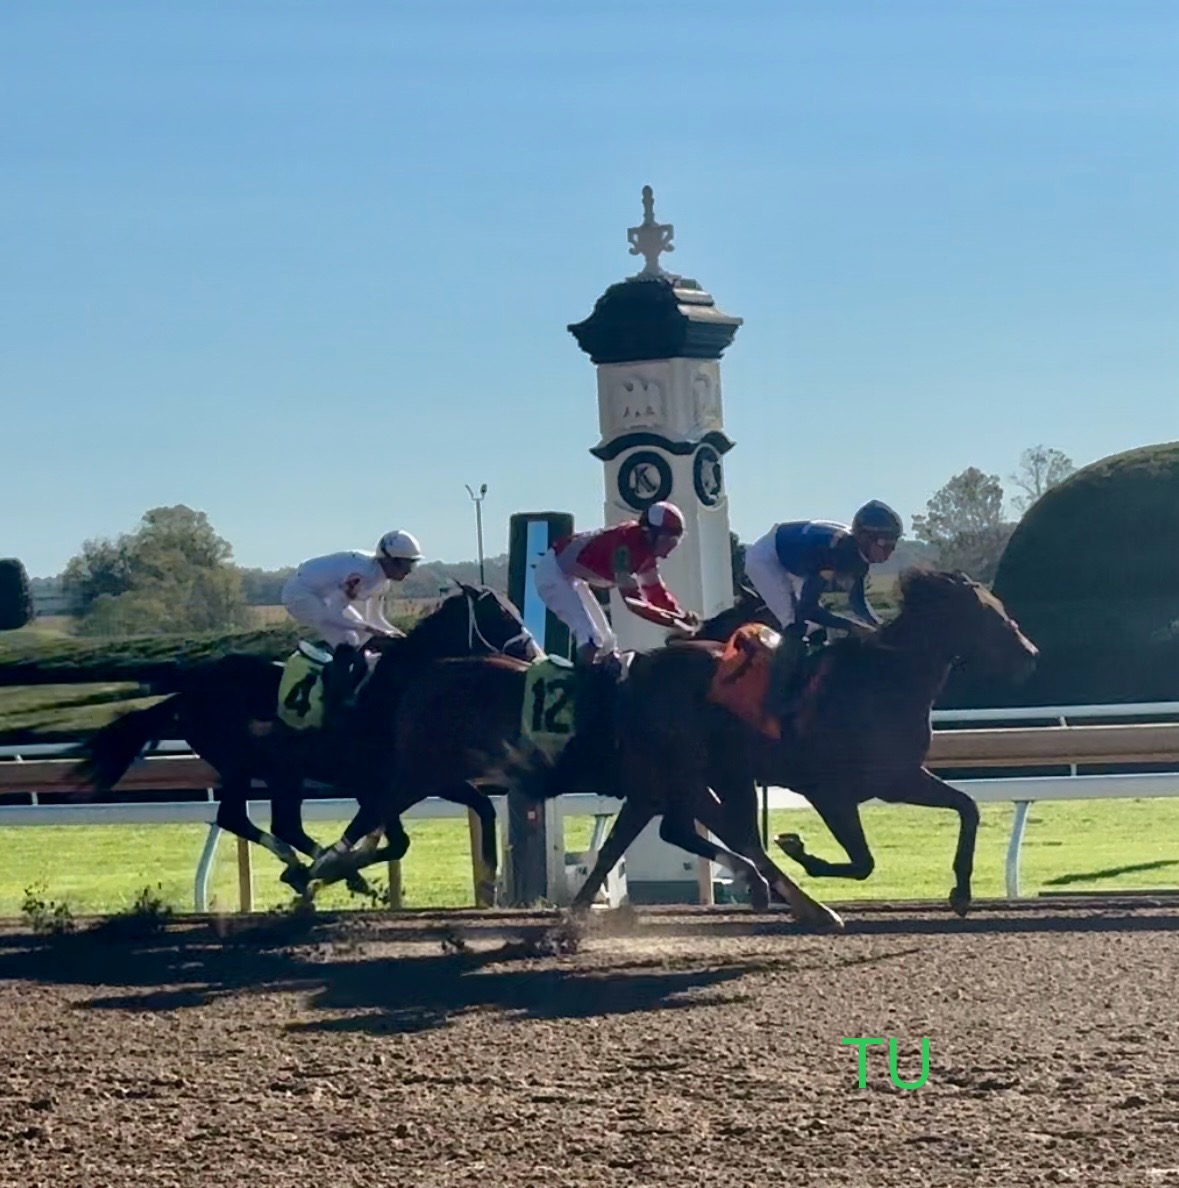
column 300, row 693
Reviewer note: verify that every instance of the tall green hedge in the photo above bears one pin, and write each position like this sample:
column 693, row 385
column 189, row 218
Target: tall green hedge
column 1092, row 575
column 16, row 600
column 68, row 660
column 147, row 659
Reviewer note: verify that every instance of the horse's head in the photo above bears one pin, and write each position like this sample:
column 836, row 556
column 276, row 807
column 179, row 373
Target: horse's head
column 971, row 621
column 493, row 624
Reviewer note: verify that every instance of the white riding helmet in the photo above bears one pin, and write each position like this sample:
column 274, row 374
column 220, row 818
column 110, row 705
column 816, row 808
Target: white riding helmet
column 399, row 545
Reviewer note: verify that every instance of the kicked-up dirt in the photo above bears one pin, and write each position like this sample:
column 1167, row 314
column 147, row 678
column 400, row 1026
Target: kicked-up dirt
column 681, row 1047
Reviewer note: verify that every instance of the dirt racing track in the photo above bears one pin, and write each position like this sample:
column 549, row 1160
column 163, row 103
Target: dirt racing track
column 668, row 1047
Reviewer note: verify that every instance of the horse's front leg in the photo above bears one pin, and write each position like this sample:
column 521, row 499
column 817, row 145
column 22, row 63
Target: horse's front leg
column 735, row 823
column 631, row 821
column 286, row 816
column 838, row 806
column 924, row 788
column 333, row 862
column 466, row 794
column 365, row 853
column 232, row 817
column 678, row 828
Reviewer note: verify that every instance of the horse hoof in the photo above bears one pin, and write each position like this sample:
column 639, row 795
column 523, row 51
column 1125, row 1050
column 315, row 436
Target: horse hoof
column 295, row 877
column 790, row 844
column 960, row 903
column 328, row 868
column 358, row 884
column 759, row 895
column 827, row 921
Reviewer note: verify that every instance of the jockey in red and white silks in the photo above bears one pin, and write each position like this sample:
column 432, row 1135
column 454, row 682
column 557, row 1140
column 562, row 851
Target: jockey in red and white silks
column 625, row 556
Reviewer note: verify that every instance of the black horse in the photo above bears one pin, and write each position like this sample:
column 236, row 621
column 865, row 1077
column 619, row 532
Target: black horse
column 226, row 710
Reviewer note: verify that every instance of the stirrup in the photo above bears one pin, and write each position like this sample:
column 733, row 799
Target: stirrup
column 580, row 661
column 611, row 664
column 314, row 651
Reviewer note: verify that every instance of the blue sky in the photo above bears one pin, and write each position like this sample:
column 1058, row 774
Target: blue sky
column 308, row 266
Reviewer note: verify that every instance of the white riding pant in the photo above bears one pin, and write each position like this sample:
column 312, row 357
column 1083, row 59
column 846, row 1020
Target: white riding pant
column 312, row 614
column 779, row 589
column 573, row 602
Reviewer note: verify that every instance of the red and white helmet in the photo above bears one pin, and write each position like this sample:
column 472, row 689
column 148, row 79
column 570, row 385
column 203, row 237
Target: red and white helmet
column 663, row 518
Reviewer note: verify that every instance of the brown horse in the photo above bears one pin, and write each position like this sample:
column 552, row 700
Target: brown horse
column 861, row 731
column 459, row 722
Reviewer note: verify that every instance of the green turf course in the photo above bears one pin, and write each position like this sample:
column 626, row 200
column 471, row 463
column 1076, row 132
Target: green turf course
column 1069, row 845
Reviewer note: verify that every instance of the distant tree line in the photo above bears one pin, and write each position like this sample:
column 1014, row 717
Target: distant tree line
column 964, row 522
column 174, row 573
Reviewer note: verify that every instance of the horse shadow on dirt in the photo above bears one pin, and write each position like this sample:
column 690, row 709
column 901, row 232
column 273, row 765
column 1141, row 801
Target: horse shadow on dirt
column 398, row 979
column 535, row 976
column 1110, row 872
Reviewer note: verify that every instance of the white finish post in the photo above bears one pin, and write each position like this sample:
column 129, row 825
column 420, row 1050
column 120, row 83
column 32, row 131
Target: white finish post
column 656, row 340
column 678, row 402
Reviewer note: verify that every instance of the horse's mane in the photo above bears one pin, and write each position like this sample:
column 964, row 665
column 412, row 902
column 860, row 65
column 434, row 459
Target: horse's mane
column 919, row 581
column 418, row 640
column 469, row 595
column 487, row 660
column 920, row 587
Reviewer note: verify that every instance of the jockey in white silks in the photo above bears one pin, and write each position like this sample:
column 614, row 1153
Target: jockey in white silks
column 338, row 598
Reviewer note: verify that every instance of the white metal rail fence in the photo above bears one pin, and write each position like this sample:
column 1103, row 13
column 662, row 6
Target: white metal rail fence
column 1131, row 737
column 1024, row 792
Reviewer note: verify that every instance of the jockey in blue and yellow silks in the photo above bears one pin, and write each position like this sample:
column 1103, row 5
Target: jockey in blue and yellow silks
column 796, row 562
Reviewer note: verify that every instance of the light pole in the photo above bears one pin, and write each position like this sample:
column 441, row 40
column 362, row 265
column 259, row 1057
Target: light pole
column 478, row 501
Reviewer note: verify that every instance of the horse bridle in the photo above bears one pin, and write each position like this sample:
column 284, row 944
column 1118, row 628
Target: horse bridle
column 474, row 632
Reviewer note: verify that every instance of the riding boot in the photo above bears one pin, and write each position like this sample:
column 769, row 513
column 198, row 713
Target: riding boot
column 585, row 687
column 339, row 680
column 592, row 739
column 783, row 666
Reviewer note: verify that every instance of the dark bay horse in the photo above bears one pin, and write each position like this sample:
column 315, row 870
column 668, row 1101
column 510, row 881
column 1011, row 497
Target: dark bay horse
column 861, row 732
column 458, row 726
column 226, row 711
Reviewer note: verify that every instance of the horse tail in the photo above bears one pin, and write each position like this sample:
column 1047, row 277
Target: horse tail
column 106, row 755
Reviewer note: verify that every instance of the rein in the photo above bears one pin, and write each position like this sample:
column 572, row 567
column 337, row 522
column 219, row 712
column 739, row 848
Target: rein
column 474, row 632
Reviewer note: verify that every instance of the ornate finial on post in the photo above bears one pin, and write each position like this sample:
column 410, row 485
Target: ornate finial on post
column 650, row 239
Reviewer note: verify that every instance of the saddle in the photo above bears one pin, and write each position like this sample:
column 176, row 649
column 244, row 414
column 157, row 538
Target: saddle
column 747, row 674
column 312, row 693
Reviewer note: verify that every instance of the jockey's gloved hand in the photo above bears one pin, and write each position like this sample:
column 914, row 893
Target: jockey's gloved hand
column 380, row 638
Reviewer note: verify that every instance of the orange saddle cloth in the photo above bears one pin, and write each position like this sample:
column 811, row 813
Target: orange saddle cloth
column 742, row 677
